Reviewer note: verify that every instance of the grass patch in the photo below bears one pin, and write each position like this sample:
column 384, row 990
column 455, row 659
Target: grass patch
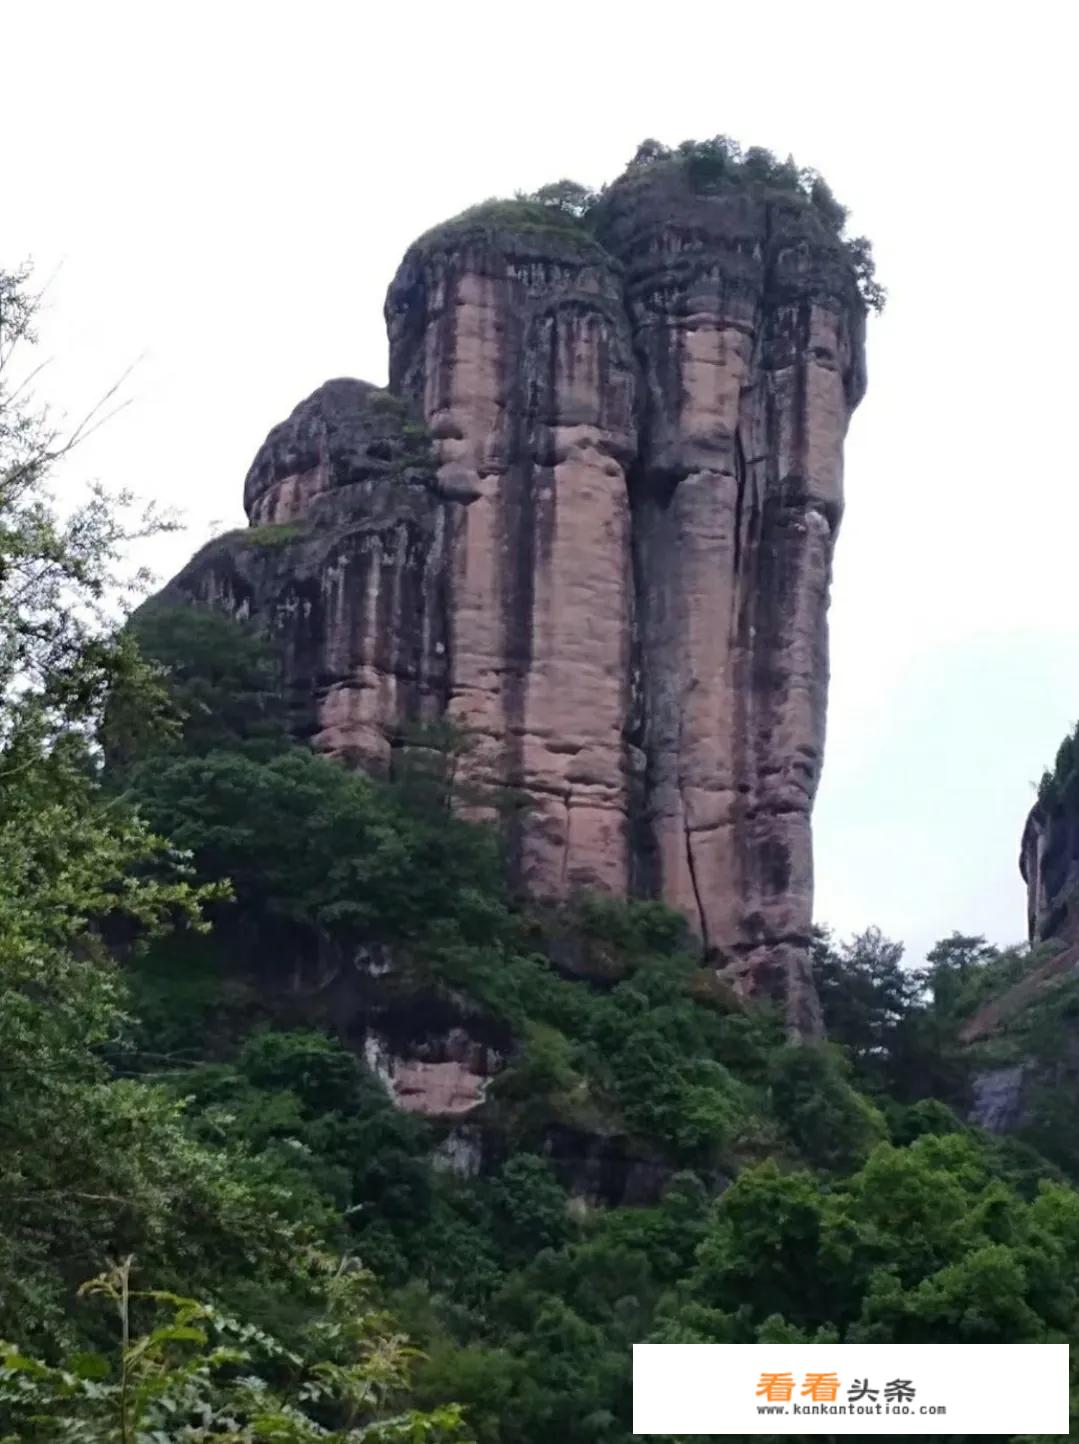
column 274, row 534
column 523, row 217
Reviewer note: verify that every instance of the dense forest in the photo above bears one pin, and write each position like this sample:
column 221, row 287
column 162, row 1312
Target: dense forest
column 214, row 1224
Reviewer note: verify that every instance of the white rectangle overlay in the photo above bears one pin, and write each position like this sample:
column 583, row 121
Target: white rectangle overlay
column 850, row 1389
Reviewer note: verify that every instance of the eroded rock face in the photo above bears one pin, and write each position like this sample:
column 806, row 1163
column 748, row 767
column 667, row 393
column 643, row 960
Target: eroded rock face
column 1049, row 863
column 517, row 349
column 998, row 1101
column 445, row 1079
column 749, row 334
column 345, row 564
column 607, row 557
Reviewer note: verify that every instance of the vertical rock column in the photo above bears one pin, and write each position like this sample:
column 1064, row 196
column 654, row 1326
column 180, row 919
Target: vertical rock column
column 516, row 348
column 748, row 331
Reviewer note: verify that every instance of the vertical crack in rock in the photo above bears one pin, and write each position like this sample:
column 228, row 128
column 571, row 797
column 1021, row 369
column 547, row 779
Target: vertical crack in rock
column 740, row 479
column 643, row 880
column 700, row 920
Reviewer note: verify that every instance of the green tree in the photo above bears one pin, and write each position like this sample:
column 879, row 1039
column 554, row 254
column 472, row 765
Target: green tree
column 222, row 679
column 88, row 1162
column 899, row 1025
column 833, row 1126
column 866, row 997
column 528, row 1208
column 180, row 1368
column 955, row 964
column 565, row 195
column 305, row 841
column 61, row 577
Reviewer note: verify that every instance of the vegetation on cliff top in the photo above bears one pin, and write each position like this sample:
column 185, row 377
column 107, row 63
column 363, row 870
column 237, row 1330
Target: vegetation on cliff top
column 523, row 215
column 569, row 211
column 1058, row 787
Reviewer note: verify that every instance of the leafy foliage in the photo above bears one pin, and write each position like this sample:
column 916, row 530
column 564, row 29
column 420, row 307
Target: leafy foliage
column 835, row 1128
column 89, row 1160
column 60, row 576
column 221, row 681
column 920, row 1245
column 332, row 859
column 100, row 1158
column 196, row 1372
column 567, row 196
column 1059, row 784
column 526, row 1311
column 899, row 1025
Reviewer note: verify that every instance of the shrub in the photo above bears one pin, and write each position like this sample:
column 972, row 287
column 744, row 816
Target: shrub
column 831, row 1125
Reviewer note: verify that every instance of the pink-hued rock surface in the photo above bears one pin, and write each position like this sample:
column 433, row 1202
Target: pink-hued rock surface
column 750, row 342
column 517, row 353
column 590, row 523
column 449, row 1082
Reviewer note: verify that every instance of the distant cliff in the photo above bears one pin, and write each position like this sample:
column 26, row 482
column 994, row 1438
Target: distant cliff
column 1049, row 851
column 591, row 524
column 1027, row 1029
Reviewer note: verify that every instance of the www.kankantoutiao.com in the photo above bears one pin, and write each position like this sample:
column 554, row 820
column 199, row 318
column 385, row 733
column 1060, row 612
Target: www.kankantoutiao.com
column 850, row 1409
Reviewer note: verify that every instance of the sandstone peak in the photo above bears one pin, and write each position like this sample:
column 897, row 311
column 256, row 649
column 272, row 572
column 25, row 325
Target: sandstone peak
column 345, row 432
column 591, row 523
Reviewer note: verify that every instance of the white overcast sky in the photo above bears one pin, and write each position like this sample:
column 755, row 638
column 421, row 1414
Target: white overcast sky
column 222, row 192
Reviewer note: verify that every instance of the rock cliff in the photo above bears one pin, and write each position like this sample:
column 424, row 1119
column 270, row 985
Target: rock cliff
column 1049, row 863
column 1031, row 1023
column 1049, row 851
column 514, row 345
column 749, row 338
column 591, row 524
column 345, row 563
